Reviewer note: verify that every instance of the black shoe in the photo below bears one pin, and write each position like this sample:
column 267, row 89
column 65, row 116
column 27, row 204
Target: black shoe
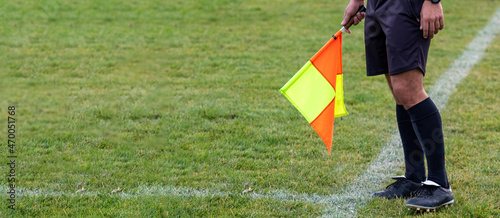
column 402, row 188
column 430, row 197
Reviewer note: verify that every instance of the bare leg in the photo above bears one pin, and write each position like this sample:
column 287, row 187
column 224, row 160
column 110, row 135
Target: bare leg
column 408, row 88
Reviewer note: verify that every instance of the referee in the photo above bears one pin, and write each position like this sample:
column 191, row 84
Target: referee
column 397, row 39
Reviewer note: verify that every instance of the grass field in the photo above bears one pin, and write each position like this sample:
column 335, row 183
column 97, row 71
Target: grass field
column 177, row 103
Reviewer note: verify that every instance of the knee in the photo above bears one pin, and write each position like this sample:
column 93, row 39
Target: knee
column 400, row 89
column 407, row 95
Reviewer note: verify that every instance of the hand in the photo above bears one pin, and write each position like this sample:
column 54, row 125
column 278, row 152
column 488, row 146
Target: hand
column 350, row 11
column 431, row 19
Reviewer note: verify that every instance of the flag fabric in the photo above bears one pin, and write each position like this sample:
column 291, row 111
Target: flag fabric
column 316, row 90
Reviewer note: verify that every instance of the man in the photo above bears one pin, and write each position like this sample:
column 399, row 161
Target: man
column 397, row 39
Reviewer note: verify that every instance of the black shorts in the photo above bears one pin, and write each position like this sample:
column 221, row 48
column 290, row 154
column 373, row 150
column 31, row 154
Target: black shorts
column 394, row 42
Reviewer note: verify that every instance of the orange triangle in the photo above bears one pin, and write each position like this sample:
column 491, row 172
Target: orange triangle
column 323, row 125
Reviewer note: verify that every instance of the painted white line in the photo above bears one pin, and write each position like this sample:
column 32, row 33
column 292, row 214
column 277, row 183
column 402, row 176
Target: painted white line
column 346, row 203
column 389, row 160
column 136, row 192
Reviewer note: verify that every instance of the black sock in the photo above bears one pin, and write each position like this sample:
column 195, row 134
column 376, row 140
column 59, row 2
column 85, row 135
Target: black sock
column 414, row 155
column 426, row 122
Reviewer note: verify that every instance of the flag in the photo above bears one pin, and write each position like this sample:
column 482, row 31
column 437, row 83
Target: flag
column 316, row 90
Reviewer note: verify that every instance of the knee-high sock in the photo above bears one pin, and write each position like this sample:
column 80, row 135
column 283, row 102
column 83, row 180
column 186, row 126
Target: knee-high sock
column 427, row 124
column 414, row 155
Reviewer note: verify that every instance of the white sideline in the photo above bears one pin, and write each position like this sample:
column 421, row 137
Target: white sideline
column 345, row 203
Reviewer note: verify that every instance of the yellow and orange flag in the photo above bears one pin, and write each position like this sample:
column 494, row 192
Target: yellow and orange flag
column 316, row 90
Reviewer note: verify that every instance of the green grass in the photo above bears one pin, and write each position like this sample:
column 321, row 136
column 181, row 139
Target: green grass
column 185, row 94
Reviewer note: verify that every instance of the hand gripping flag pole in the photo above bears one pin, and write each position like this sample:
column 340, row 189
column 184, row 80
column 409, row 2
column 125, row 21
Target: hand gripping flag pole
column 316, row 90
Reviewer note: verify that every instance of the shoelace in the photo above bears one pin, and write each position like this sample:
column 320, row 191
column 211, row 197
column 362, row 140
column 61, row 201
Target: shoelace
column 426, row 191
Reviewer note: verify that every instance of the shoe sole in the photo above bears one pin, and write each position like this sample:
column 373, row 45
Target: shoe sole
column 428, row 209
